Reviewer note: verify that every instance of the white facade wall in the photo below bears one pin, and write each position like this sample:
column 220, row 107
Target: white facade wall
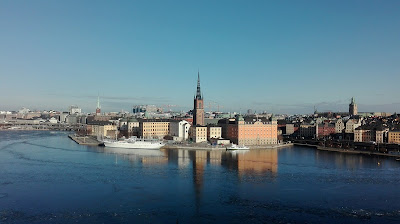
column 179, row 130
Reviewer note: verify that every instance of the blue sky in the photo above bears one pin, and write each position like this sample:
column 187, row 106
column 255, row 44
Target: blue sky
column 275, row 56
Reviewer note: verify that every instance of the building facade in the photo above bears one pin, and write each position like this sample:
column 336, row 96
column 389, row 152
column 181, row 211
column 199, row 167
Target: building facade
column 250, row 130
column 179, row 130
column 325, row 129
column 214, row 132
column 339, row 126
column 307, row 130
column 394, row 137
column 351, row 125
column 198, row 134
column 153, row 128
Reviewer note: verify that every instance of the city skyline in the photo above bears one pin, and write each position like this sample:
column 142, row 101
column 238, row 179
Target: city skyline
column 265, row 56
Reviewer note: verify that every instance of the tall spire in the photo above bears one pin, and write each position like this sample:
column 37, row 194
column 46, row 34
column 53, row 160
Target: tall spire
column 353, row 101
column 198, row 93
column 98, row 101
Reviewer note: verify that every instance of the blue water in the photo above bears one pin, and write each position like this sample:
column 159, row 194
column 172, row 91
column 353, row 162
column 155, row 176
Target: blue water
column 47, row 178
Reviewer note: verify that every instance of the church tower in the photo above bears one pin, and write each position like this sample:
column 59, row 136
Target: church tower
column 198, row 110
column 353, row 107
column 98, row 109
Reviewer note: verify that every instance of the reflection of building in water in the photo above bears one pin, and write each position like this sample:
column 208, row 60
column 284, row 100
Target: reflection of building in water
column 154, row 160
column 343, row 161
column 215, row 157
column 253, row 161
column 199, row 160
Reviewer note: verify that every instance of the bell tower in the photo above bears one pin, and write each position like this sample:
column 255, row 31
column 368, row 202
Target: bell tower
column 198, row 110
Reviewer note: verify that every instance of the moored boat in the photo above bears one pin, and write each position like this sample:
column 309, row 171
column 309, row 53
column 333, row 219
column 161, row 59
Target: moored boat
column 237, row 147
column 134, row 143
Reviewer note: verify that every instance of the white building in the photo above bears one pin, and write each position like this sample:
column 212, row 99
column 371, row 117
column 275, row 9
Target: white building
column 24, row 111
column 75, row 110
column 53, row 120
column 179, row 130
column 63, row 117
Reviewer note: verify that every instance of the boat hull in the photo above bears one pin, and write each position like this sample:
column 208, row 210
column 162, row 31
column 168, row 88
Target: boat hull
column 136, row 145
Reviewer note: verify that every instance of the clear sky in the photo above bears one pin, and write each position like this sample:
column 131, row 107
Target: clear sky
column 275, row 56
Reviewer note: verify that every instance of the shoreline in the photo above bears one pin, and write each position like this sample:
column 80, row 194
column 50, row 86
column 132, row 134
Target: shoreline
column 348, row 151
column 195, row 147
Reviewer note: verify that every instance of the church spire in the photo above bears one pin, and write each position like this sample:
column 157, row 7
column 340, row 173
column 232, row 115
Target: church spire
column 98, row 102
column 198, row 93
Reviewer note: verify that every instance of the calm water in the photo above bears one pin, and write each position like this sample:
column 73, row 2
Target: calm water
column 47, row 178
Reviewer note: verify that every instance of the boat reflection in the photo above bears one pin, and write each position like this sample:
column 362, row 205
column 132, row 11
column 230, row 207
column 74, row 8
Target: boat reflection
column 253, row 162
column 144, row 156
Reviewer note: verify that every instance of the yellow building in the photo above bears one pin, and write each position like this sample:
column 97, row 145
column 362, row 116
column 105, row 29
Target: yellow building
column 198, row 134
column 214, row 132
column 153, row 128
column 104, row 130
column 394, row 137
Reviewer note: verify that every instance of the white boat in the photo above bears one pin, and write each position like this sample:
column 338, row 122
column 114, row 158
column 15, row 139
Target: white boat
column 237, row 147
column 134, row 143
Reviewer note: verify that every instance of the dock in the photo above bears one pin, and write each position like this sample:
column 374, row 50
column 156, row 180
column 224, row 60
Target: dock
column 85, row 140
column 349, row 151
column 211, row 148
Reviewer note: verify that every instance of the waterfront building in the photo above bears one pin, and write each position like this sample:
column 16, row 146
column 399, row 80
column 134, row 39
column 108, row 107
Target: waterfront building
column 394, row 137
column 198, row 110
column 352, row 124
column 289, row 128
column 153, row 128
column 250, row 130
column 123, row 124
column 133, row 127
column 307, row 130
column 214, row 132
column 325, row 129
column 107, row 130
column 371, row 133
column 339, row 126
column 179, row 130
column 353, row 107
column 198, row 133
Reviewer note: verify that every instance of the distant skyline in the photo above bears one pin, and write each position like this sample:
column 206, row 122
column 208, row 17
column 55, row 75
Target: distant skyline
column 274, row 56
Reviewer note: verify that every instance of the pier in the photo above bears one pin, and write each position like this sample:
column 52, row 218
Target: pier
column 86, row 140
column 349, row 151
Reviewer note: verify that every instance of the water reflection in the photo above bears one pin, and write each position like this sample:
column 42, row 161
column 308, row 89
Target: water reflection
column 351, row 161
column 144, row 156
column 251, row 162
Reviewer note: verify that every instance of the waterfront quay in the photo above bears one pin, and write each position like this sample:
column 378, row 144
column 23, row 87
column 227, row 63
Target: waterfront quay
column 85, row 140
column 350, row 151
